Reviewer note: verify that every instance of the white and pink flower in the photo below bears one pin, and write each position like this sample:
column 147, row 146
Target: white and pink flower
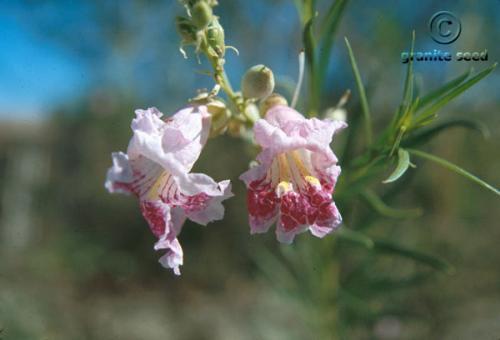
column 295, row 177
column 157, row 169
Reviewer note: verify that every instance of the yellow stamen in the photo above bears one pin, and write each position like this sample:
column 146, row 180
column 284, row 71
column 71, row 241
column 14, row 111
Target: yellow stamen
column 283, row 187
column 313, row 180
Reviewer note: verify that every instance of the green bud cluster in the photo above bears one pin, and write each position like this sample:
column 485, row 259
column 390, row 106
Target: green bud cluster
column 186, row 30
column 201, row 14
column 202, row 28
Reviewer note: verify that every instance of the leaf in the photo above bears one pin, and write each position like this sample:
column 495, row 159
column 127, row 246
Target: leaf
column 356, row 237
column 408, row 88
column 329, row 29
column 309, row 6
column 428, row 134
column 308, row 40
column 428, row 98
column 383, row 209
column 362, row 94
column 309, row 46
column 450, row 166
column 384, row 284
column 455, row 92
column 432, row 261
column 403, row 164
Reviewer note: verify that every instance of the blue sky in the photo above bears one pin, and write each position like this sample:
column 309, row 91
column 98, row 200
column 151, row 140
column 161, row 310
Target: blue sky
column 35, row 75
column 39, row 73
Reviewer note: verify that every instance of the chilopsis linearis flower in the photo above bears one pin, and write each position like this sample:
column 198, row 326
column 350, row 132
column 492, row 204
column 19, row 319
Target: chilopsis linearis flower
column 294, row 180
column 156, row 169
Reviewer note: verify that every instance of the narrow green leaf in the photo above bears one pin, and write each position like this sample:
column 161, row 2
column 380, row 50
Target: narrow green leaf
column 309, row 46
column 383, row 209
column 433, row 95
column 362, row 93
column 455, row 92
column 356, row 237
column 408, row 88
column 435, row 262
column 308, row 40
column 408, row 85
column 428, row 134
column 382, row 284
column 328, row 31
column 309, row 6
column 402, row 166
column 454, row 168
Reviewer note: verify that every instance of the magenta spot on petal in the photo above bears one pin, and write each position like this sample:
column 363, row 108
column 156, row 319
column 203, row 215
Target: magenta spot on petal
column 262, row 200
column 312, row 205
column 293, row 209
column 327, row 185
column 155, row 215
column 195, row 203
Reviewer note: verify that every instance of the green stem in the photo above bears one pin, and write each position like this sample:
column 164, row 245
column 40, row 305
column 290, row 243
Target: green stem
column 221, row 78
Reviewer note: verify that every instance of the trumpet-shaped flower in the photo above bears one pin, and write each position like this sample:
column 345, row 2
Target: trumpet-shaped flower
column 296, row 173
column 156, row 169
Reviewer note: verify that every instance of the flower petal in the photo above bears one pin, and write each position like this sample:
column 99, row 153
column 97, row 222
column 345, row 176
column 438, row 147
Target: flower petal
column 176, row 143
column 119, row 175
column 204, row 208
column 173, row 258
column 166, row 224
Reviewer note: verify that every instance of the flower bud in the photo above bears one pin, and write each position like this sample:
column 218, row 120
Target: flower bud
column 215, row 37
column 273, row 100
column 186, row 30
column 220, row 117
column 201, row 13
column 258, row 82
column 336, row 113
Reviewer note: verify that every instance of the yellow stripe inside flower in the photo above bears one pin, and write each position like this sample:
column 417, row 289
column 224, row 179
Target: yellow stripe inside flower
column 289, row 171
column 154, row 190
column 313, row 180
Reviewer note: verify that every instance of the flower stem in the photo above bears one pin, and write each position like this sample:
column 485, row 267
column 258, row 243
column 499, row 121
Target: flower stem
column 221, row 78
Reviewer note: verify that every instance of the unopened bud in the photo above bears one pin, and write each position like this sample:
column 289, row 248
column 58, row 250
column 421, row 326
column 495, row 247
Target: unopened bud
column 258, row 82
column 220, row 117
column 273, row 100
column 202, row 14
column 186, row 30
column 215, row 37
column 336, row 113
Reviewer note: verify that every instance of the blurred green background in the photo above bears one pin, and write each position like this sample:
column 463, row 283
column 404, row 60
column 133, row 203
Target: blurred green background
column 78, row 263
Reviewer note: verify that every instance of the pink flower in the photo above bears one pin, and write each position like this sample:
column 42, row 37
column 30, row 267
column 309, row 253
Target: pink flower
column 294, row 180
column 156, row 169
